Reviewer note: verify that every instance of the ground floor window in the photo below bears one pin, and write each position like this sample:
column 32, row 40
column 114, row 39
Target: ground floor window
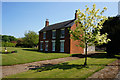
column 46, row 45
column 62, row 45
column 53, row 45
column 41, row 45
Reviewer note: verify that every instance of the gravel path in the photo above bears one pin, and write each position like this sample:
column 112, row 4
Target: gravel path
column 10, row 70
column 118, row 76
column 110, row 71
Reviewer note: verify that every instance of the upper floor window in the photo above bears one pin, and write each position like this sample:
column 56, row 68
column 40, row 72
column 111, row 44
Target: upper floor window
column 44, row 35
column 53, row 34
column 62, row 33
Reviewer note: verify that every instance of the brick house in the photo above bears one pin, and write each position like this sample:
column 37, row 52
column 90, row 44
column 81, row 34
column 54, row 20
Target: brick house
column 56, row 38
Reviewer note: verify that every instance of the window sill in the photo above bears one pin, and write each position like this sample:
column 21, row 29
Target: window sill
column 53, row 37
column 62, row 37
column 61, row 51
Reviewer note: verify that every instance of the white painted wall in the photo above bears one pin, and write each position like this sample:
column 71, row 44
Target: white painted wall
column 90, row 48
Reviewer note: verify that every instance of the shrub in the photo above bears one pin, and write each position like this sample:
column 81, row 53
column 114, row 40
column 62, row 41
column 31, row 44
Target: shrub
column 8, row 52
column 8, row 44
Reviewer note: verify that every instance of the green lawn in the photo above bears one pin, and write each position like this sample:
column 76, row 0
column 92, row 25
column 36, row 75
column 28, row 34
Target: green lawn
column 26, row 55
column 70, row 69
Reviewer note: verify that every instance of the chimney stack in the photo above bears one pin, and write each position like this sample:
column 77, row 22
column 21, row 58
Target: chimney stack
column 46, row 22
column 76, row 15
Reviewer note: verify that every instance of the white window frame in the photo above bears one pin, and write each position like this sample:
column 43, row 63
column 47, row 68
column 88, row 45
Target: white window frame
column 62, row 49
column 43, row 35
column 53, row 47
column 64, row 33
column 46, row 48
column 52, row 34
column 41, row 48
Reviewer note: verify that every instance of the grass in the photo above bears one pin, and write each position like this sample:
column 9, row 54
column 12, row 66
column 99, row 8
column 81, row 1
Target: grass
column 26, row 55
column 69, row 69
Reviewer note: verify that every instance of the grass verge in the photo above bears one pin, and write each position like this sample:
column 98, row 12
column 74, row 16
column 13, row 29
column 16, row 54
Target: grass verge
column 27, row 55
column 69, row 69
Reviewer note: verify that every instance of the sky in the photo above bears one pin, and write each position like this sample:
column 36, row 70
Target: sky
column 20, row 17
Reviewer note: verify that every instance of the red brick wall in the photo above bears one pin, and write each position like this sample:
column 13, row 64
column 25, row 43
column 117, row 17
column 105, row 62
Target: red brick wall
column 57, row 46
column 67, row 41
column 48, row 38
column 73, row 48
column 40, row 38
column 69, row 44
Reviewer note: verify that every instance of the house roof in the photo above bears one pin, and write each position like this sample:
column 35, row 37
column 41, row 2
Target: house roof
column 64, row 24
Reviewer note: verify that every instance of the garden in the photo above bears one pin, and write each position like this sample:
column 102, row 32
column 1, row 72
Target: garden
column 27, row 55
column 69, row 69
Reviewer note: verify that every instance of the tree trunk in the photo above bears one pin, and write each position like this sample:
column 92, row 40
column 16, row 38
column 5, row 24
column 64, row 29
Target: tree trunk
column 85, row 63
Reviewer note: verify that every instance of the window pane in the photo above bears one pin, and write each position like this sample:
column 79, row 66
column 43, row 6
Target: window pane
column 41, row 46
column 62, row 47
column 62, row 33
column 53, row 46
column 46, row 46
column 53, row 34
column 44, row 35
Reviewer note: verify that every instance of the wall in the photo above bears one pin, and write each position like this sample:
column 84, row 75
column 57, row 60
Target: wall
column 57, row 43
column 73, row 48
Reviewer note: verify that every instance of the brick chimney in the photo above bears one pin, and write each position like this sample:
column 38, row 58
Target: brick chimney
column 46, row 22
column 76, row 15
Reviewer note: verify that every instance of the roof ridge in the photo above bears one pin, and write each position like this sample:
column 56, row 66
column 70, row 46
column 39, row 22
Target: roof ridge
column 59, row 25
column 60, row 22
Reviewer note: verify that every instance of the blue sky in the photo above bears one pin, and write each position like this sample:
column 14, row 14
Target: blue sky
column 19, row 17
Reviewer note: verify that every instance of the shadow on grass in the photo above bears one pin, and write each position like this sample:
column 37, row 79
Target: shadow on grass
column 31, row 50
column 66, row 65
column 96, row 55
column 63, row 66
column 36, row 50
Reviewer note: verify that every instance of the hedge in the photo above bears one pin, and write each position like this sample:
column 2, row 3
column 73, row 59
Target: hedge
column 8, row 44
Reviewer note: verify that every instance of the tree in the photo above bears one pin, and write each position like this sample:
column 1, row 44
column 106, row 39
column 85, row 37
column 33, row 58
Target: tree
column 30, row 39
column 12, row 38
column 6, row 38
column 20, row 42
column 88, row 24
column 112, row 27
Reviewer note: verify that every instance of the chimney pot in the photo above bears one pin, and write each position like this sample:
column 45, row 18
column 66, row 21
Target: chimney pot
column 47, row 22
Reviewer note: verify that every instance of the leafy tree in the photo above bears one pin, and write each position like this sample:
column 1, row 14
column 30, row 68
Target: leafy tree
column 20, row 42
column 87, row 32
column 8, row 44
column 12, row 38
column 0, row 40
column 30, row 39
column 7, row 38
column 112, row 27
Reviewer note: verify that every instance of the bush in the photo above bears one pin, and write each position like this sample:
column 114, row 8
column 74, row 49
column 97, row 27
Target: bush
column 9, row 52
column 8, row 44
column 112, row 27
